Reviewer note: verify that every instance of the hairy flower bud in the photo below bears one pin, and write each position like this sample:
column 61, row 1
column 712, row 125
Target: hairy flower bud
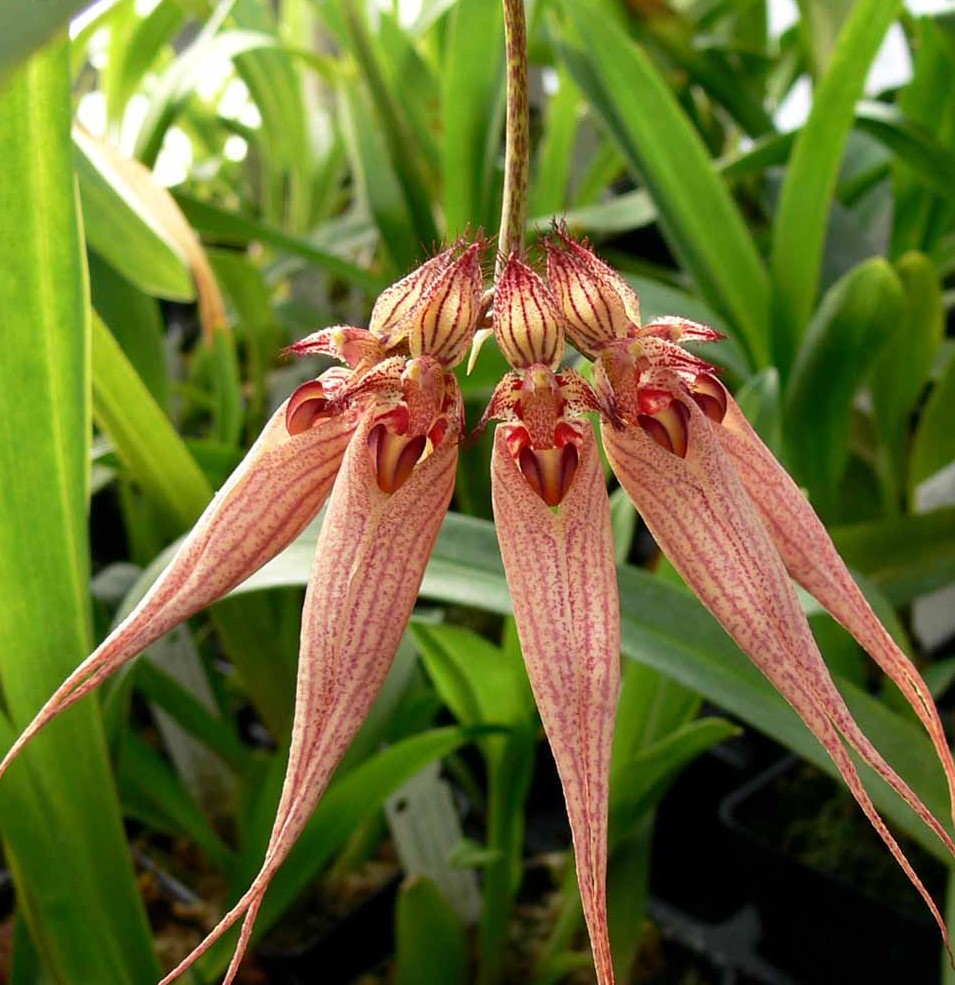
column 598, row 305
column 444, row 322
column 527, row 322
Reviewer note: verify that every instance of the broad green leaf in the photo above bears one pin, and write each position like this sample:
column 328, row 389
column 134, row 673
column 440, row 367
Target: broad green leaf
column 933, row 447
column 134, row 46
column 481, row 684
column 349, row 802
column 856, row 318
column 900, row 373
column 472, row 87
column 799, row 229
column 555, row 154
column 642, row 780
column 760, row 400
column 26, row 25
column 905, row 556
column 63, row 781
column 431, row 944
column 144, row 437
column 123, row 230
column 697, row 213
column 821, row 23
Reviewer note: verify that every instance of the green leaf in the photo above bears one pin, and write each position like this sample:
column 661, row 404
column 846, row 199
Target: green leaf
column 480, row 683
column 390, row 112
column 905, row 556
column 377, row 180
column 144, row 437
column 349, row 802
column 920, row 218
column 431, row 945
column 856, row 318
column 136, row 322
column 472, row 88
column 234, row 227
column 933, row 447
column 698, row 215
column 900, row 373
column 153, row 792
column 26, row 25
column 799, row 230
column 760, row 400
column 913, row 144
column 63, row 783
column 122, row 229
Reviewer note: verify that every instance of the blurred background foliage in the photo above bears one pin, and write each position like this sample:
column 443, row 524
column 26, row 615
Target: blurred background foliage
column 186, row 188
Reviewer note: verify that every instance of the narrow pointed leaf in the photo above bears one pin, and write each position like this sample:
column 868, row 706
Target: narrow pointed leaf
column 562, row 579
column 800, row 225
column 661, row 146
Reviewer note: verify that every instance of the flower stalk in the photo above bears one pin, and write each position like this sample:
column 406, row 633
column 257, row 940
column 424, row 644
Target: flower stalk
column 517, row 133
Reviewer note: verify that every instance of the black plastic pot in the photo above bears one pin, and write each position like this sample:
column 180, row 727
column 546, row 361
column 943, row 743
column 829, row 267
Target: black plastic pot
column 822, row 927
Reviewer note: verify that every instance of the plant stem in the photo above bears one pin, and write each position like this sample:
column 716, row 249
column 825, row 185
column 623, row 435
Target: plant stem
column 517, row 136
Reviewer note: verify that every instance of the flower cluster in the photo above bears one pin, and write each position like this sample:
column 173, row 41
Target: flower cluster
column 378, row 439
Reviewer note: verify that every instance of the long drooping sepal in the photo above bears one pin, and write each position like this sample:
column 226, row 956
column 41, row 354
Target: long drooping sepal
column 266, row 503
column 812, row 559
column 369, row 563
column 703, row 519
column 563, row 583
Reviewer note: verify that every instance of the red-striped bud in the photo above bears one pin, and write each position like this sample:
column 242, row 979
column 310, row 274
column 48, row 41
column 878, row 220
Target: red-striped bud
column 598, row 305
column 527, row 322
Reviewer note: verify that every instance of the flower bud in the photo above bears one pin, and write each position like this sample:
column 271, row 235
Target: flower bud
column 390, row 315
column 527, row 322
column 445, row 319
column 598, row 305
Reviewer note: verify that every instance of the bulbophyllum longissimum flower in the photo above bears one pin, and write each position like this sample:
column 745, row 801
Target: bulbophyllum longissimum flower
column 378, row 439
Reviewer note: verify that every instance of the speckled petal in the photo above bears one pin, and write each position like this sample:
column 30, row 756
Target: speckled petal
column 811, row 558
column 266, row 503
column 563, row 583
column 369, row 562
column 703, row 519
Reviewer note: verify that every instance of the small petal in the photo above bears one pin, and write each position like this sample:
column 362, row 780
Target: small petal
column 270, row 498
column 703, row 519
column 563, row 583
column 527, row 322
column 812, row 559
column 369, row 563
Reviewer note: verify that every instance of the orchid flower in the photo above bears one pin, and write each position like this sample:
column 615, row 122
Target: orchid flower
column 732, row 521
column 378, row 438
